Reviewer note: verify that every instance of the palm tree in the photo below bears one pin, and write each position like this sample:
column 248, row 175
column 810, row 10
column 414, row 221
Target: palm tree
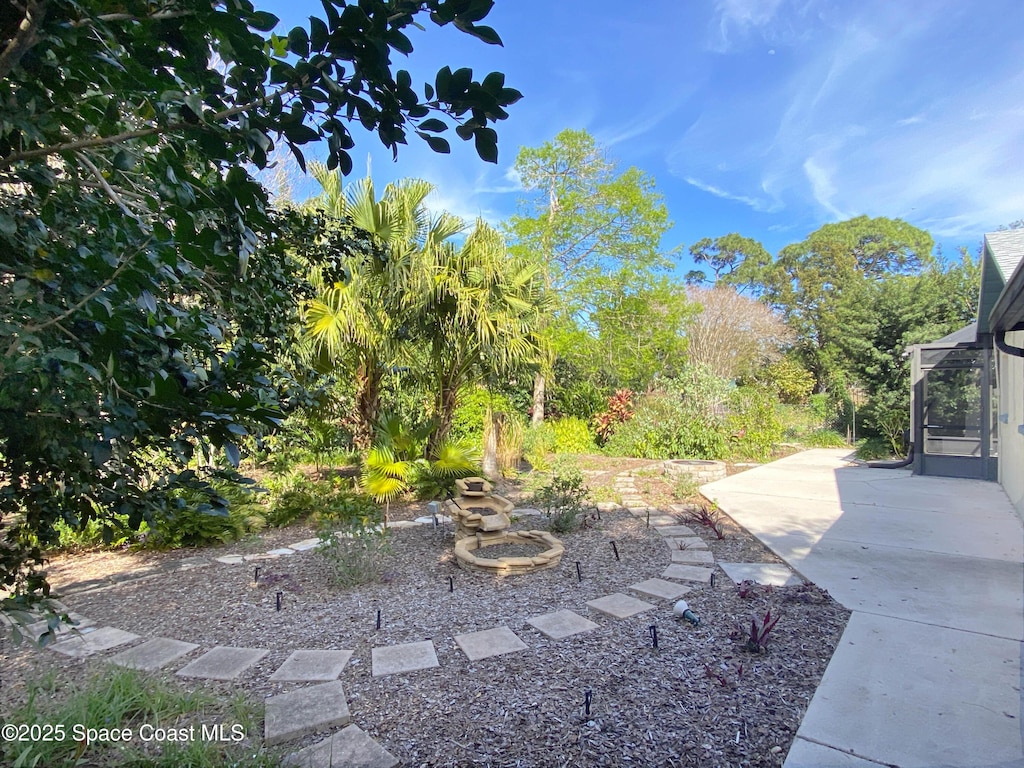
column 479, row 318
column 363, row 320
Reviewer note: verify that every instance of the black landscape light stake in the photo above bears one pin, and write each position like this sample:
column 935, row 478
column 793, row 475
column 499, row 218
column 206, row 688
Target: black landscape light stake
column 256, row 575
column 279, row 594
column 378, row 618
column 588, row 696
column 579, row 573
column 648, row 517
column 615, row 549
column 712, row 578
column 653, row 629
column 451, row 583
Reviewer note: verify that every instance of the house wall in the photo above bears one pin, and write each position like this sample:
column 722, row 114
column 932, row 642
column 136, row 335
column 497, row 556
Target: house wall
column 1010, row 377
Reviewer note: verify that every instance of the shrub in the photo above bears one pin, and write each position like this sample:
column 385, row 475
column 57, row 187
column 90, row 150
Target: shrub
column 572, row 435
column 354, row 554
column 665, row 427
column 873, row 448
column 563, row 500
column 298, row 497
column 538, row 442
column 195, row 522
column 620, row 410
column 685, row 419
column 824, row 438
column 753, row 423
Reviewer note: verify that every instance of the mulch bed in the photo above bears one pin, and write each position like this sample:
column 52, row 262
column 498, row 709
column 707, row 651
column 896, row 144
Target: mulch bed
column 699, row 699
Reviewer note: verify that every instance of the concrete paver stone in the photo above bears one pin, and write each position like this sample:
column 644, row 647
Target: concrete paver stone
column 153, row 654
column 776, row 574
column 675, row 531
column 619, row 606
column 288, row 716
column 660, row 589
column 350, row 747
column 408, row 657
column 561, row 624
column 429, row 520
column 305, row 544
column 85, row 644
column 489, row 642
column 692, row 557
column 526, row 512
column 223, row 662
column 687, row 542
column 309, row 666
column 282, row 551
column 688, row 573
column 230, row 559
column 37, row 628
column 659, row 520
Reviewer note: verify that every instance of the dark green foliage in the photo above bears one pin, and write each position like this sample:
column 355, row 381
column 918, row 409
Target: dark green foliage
column 194, row 522
column 299, row 497
column 872, row 448
column 146, row 287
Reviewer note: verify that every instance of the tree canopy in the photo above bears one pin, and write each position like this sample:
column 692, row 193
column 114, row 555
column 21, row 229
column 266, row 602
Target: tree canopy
column 595, row 232
column 146, row 283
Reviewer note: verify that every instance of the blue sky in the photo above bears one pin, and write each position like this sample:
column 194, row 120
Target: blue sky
column 764, row 117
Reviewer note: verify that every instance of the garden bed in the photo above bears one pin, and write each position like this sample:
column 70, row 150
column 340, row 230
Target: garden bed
column 700, row 699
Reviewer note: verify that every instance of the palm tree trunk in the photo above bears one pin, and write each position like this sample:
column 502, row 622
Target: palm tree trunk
column 367, row 404
column 538, row 399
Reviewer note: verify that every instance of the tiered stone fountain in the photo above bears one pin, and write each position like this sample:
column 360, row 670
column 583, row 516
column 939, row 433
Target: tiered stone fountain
column 482, row 520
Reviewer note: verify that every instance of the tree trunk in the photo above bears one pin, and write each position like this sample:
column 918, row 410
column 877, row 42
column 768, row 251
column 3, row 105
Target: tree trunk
column 447, row 400
column 367, row 405
column 538, row 399
column 492, row 435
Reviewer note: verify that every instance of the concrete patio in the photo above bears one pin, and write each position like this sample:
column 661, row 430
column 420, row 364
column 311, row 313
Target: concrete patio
column 928, row 671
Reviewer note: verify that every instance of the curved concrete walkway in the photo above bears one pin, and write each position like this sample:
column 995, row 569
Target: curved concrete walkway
column 928, row 671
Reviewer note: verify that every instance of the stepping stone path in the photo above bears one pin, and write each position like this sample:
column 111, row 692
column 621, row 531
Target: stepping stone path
column 153, row 654
column 619, row 606
column 223, row 663
column 288, row 716
column 408, row 657
column 311, row 666
column 489, row 642
column 324, row 706
column 562, row 624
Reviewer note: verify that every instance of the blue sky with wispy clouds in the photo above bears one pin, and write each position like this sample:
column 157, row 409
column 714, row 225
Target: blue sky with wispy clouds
column 765, row 117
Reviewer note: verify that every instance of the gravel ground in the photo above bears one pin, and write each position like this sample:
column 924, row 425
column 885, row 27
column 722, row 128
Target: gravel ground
column 699, row 699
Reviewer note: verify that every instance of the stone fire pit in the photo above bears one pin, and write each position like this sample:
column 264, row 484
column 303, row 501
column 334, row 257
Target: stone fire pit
column 482, row 520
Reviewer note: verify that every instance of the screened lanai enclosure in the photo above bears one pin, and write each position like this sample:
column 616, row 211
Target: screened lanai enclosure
column 954, row 408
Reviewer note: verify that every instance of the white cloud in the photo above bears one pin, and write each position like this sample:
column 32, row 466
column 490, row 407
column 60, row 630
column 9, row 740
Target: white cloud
column 756, row 203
